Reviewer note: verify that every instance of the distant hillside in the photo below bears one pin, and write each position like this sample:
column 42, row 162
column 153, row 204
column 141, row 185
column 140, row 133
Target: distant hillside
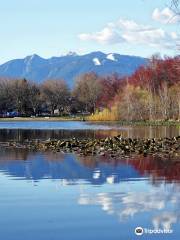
column 68, row 67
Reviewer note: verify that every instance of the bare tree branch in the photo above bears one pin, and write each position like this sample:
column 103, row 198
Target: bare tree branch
column 175, row 6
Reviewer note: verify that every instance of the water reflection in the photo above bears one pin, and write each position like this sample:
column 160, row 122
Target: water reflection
column 95, row 169
column 108, row 196
column 23, row 134
column 62, row 166
column 91, row 132
column 128, row 205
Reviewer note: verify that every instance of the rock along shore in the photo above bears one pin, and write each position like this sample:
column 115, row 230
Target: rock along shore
column 113, row 146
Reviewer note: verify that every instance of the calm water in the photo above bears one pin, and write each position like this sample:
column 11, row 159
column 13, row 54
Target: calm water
column 54, row 196
column 43, row 130
column 48, row 196
column 65, row 125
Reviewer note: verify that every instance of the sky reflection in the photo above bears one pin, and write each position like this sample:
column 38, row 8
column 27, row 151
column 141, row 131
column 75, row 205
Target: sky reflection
column 61, row 192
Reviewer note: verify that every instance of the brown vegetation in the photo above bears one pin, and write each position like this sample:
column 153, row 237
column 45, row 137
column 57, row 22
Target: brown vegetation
column 151, row 93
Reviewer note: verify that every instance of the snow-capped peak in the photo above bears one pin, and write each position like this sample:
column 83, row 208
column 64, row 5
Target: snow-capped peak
column 111, row 57
column 71, row 53
column 96, row 62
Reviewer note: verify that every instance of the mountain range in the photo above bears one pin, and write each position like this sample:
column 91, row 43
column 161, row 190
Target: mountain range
column 70, row 66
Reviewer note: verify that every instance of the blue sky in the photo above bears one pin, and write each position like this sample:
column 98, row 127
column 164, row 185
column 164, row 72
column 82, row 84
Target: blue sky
column 54, row 27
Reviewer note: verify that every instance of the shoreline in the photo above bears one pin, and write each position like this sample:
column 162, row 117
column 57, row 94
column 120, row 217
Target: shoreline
column 39, row 119
column 120, row 122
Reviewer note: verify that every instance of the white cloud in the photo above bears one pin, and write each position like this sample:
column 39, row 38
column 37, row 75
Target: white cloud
column 174, row 35
column 130, row 25
column 104, row 36
column 128, row 31
column 165, row 15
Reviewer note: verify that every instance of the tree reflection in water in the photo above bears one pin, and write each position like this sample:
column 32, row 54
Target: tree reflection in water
column 155, row 168
column 143, row 185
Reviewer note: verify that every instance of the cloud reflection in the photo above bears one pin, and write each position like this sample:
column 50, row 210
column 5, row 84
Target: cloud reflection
column 160, row 203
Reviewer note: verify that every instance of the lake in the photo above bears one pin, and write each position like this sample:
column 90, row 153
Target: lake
column 52, row 196
column 20, row 130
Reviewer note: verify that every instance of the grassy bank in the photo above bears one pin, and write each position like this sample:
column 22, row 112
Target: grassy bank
column 79, row 118
column 112, row 114
column 139, row 123
column 90, row 119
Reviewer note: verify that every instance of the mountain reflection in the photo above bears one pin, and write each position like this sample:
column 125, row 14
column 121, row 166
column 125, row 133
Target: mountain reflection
column 24, row 164
column 139, row 190
column 97, row 170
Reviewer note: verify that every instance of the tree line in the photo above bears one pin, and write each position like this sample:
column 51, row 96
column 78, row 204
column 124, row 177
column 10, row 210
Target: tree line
column 152, row 92
column 26, row 98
